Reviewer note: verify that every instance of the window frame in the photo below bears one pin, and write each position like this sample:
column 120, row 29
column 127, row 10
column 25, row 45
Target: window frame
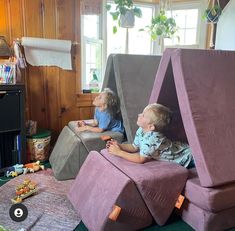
column 201, row 25
column 86, row 40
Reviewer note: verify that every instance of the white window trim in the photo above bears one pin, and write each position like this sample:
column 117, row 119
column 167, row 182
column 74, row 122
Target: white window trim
column 201, row 27
column 92, row 40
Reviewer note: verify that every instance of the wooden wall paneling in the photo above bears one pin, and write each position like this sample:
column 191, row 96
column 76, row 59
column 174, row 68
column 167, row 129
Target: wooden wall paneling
column 16, row 28
column 66, row 30
column 77, row 61
column 70, row 115
column 85, row 113
column 36, row 94
column 86, row 108
column 67, row 95
column 49, row 19
column 51, row 74
column 16, row 20
column 65, row 19
column 52, row 101
column 33, row 18
column 4, row 19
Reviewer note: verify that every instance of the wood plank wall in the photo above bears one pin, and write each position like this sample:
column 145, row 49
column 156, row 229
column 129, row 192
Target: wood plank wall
column 52, row 94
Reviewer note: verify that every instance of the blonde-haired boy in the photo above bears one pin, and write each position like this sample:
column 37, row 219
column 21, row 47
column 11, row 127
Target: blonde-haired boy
column 150, row 142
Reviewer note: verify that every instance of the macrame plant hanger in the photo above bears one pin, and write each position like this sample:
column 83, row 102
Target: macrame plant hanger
column 212, row 15
column 165, row 5
column 213, row 11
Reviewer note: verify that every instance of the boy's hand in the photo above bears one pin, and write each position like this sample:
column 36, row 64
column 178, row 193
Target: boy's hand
column 81, row 123
column 111, row 142
column 114, row 149
column 82, row 129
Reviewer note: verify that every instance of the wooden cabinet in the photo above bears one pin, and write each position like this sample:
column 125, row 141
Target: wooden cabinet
column 12, row 125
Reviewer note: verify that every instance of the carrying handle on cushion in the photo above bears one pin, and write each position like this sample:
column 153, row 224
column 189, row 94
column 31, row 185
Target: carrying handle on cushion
column 115, row 213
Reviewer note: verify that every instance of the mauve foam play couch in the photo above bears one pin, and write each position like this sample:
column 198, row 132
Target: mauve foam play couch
column 199, row 87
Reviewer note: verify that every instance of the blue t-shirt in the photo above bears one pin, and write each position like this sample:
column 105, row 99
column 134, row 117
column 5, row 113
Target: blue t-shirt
column 155, row 145
column 107, row 123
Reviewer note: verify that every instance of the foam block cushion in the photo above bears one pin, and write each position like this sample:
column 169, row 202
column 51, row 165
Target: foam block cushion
column 203, row 220
column 211, row 199
column 205, row 88
column 198, row 85
column 92, row 140
column 98, row 187
column 159, row 182
column 68, row 155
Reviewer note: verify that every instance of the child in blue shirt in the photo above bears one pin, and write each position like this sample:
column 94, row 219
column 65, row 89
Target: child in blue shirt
column 150, row 143
column 107, row 114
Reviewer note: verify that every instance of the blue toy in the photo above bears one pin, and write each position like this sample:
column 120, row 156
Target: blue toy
column 15, row 170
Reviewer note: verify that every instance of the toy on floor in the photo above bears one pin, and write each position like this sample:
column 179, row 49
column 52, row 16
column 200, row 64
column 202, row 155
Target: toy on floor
column 24, row 190
column 15, row 170
column 33, row 167
column 18, row 169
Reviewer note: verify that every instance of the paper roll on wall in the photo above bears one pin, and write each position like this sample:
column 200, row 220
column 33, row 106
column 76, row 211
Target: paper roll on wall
column 48, row 52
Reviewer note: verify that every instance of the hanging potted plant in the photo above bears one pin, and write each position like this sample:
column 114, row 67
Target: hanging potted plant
column 213, row 11
column 124, row 14
column 161, row 27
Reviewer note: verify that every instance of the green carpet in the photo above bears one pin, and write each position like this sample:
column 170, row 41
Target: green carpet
column 174, row 224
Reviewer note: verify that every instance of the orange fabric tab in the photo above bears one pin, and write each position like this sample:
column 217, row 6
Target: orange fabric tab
column 179, row 201
column 115, row 213
column 106, row 138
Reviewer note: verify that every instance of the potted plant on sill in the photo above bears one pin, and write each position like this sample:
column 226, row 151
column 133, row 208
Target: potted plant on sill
column 212, row 13
column 161, row 27
column 124, row 13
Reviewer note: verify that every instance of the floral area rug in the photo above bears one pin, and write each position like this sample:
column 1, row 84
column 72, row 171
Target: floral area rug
column 48, row 209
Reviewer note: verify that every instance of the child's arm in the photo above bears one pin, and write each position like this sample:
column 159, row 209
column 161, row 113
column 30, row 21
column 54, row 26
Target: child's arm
column 91, row 122
column 90, row 128
column 124, row 147
column 128, row 148
column 133, row 157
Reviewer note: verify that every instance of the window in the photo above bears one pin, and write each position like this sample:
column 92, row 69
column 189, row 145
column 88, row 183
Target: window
column 188, row 19
column 92, row 49
column 130, row 40
column 98, row 41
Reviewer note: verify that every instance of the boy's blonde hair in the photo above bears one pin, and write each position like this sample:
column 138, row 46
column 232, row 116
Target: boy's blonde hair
column 159, row 115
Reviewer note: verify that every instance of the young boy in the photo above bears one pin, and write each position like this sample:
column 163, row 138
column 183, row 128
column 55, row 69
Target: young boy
column 107, row 114
column 149, row 142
